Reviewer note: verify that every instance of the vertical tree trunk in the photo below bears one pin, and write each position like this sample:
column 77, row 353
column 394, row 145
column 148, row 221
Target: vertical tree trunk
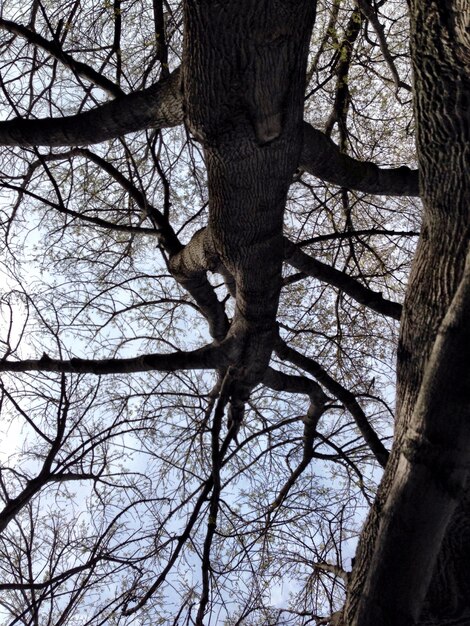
column 420, row 506
column 243, row 81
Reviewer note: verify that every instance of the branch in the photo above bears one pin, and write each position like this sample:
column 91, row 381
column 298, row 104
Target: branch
column 216, row 458
column 159, row 106
column 189, row 267
column 298, row 384
column 351, row 234
column 279, row 381
column 322, row 158
column 58, row 578
column 185, row 265
column 55, row 50
column 342, row 100
column 334, row 569
column 160, row 35
column 356, row 290
column 96, row 221
column 207, row 357
column 33, row 486
column 284, row 352
column 369, row 12
column 166, row 235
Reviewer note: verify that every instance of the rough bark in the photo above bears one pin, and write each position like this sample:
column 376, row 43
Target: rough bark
column 243, row 82
column 189, row 267
column 420, row 506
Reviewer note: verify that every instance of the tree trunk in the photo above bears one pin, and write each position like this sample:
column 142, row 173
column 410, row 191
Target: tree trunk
column 418, row 527
column 243, row 81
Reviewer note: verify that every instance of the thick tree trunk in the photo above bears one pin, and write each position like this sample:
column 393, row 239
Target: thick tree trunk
column 243, row 80
column 414, row 532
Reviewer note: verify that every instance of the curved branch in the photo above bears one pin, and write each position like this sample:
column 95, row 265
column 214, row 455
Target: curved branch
column 311, row 267
column 189, row 267
column 333, row 569
column 298, row 384
column 86, row 219
column 291, row 383
column 322, row 158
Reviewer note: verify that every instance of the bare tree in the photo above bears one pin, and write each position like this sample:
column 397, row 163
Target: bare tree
column 209, row 213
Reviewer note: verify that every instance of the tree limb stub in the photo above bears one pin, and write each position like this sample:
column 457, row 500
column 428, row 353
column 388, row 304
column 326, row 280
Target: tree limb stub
column 189, row 267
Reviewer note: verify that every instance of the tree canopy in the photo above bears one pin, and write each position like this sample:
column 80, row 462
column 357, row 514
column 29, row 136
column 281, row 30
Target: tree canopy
column 209, row 212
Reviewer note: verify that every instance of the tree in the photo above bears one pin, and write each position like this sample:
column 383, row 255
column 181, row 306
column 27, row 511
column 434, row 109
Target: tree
column 164, row 166
column 424, row 487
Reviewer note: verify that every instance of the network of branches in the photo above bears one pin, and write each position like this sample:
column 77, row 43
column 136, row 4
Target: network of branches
column 145, row 479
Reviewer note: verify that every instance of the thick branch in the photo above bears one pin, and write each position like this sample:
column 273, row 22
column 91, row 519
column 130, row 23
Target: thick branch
column 311, row 267
column 159, row 106
column 160, row 35
column 334, row 569
column 208, row 357
column 322, row 158
column 189, row 267
column 290, row 383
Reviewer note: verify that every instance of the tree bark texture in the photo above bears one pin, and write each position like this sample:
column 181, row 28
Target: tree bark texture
column 411, row 565
column 244, row 70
